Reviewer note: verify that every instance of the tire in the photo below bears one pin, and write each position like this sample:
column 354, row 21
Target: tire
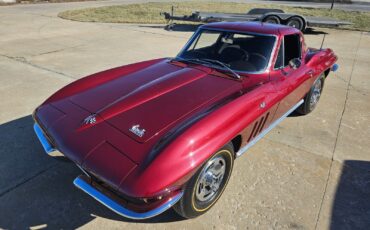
column 296, row 22
column 272, row 19
column 203, row 190
column 312, row 97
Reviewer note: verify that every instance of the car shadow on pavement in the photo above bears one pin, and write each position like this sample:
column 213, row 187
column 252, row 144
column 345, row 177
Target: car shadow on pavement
column 37, row 190
column 314, row 31
column 351, row 205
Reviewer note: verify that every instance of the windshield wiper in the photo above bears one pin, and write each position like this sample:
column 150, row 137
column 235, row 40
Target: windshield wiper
column 191, row 60
column 208, row 61
column 223, row 65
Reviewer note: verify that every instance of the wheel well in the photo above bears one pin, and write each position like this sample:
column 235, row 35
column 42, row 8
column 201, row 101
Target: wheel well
column 237, row 142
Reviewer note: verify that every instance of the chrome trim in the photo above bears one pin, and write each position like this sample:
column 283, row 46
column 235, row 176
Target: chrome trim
column 277, row 54
column 135, row 129
column 84, row 171
column 262, row 134
column 91, row 119
column 204, row 27
column 49, row 149
column 119, row 209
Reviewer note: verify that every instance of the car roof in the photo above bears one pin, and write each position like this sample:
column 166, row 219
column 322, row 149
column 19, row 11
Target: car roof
column 253, row 27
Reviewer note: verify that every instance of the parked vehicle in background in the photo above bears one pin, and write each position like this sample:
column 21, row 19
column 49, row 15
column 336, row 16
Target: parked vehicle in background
column 274, row 16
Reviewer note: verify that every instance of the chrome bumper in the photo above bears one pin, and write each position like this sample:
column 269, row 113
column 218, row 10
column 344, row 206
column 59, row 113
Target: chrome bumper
column 119, row 209
column 49, row 149
column 99, row 196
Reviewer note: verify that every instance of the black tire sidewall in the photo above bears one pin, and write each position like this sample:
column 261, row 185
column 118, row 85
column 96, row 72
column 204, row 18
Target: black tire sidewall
column 306, row 109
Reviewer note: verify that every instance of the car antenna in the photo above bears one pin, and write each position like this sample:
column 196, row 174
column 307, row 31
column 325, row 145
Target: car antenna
column 322, row 43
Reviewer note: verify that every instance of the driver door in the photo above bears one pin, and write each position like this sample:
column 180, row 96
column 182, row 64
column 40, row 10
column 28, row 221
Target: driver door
column 292, row 79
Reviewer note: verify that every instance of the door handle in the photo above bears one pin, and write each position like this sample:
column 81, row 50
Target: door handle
column 310, row 73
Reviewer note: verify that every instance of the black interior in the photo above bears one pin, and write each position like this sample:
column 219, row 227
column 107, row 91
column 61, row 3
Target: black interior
column 248, row 53
column 291, row 48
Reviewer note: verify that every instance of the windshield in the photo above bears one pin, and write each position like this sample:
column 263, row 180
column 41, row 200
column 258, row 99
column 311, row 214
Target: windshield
column 238, row 51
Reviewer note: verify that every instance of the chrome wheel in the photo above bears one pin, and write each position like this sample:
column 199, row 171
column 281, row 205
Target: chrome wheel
column 210, row 179
column 315, row 96
column 206, row 186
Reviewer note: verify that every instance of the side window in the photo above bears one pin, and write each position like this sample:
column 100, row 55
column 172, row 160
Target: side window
column 279, row 59
column 292, row 48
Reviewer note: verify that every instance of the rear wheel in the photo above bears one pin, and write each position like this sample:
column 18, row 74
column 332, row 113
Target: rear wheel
column 312, row 97
column 206, row 186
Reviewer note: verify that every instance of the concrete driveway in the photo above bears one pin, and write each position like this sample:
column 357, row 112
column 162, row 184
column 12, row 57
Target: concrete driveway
column 311, row 172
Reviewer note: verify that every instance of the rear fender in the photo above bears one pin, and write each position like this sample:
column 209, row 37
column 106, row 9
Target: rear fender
column 321, row 60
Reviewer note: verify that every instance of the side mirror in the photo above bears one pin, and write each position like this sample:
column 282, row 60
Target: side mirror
column 295, row 63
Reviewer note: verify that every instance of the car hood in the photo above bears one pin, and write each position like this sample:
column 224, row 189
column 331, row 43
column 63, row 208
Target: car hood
column 157, row 98
column 144, row 103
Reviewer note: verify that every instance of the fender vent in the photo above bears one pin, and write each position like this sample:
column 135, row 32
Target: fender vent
column 258, row 126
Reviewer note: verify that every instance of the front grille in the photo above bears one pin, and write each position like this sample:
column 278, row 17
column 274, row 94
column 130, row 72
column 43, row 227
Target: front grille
column 114, row 193
column 43, row 129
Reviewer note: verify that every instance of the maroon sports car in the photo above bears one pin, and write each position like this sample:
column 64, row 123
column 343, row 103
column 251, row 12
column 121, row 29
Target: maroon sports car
column 165, row 132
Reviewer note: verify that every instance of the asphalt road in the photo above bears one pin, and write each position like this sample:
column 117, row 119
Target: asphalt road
column 311, row 172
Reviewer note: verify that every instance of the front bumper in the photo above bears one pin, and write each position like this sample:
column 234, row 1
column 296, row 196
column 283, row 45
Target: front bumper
column 82, row 183
column 49, row 149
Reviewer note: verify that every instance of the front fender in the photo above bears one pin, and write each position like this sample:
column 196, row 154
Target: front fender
column 180, row 159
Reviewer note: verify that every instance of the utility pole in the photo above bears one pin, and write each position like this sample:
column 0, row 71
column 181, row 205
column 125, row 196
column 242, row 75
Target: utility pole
column 332, row 4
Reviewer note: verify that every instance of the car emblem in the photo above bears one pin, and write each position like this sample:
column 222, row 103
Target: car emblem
column 137, row 131
column 90, row 119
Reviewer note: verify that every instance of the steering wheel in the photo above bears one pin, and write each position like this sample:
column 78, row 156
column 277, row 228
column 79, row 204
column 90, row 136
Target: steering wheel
column 246, row 54
column 259, row 62
column 233, row 53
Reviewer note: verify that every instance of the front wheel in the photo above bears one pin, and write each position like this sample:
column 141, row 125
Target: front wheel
column 203, row 190
column 312, row 97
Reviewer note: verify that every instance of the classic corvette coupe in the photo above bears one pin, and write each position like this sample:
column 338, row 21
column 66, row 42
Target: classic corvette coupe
column 166, row 132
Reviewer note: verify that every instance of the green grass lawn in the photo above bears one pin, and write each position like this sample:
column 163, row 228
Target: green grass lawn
column 148, row 13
